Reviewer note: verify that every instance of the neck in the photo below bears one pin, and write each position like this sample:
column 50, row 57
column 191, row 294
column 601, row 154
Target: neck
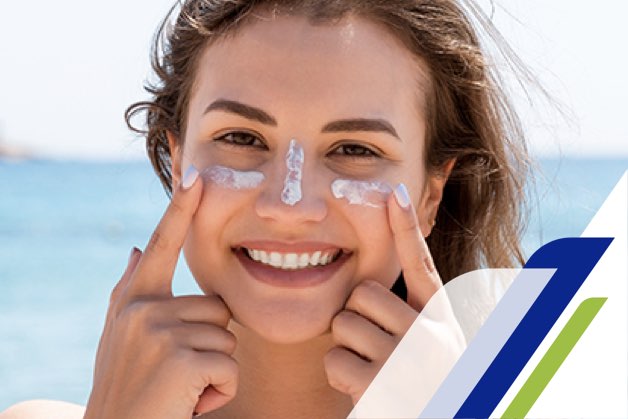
column 283, row 380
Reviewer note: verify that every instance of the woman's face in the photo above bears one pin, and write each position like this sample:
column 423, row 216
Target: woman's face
column 352, row 97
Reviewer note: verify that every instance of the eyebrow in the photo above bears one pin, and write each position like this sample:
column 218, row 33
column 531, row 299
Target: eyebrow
column 342, row 125
column 247, row 111
column 361, row 124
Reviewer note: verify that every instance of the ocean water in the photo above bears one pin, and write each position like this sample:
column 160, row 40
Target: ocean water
column 66, row 229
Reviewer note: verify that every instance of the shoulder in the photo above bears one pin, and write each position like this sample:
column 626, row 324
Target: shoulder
column 43, row 409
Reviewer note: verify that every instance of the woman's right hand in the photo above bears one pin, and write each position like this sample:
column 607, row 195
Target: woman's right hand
column 162, row 356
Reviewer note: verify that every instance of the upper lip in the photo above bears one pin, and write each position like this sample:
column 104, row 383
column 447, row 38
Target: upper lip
column 290, row 247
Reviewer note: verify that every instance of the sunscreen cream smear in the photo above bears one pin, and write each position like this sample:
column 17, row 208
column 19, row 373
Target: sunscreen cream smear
column 231, row 178
column 291, row 193
column 370, row 194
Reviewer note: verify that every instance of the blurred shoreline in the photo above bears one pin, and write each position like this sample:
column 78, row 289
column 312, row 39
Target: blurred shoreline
column 15, row 153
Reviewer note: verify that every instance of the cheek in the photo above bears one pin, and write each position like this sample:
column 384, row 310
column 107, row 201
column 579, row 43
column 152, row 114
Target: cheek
column 207, row 155
column 376, row 255
column 206, row 247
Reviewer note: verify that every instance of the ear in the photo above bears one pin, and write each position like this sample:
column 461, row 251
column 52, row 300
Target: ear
column 432, row 195
column 175, row 159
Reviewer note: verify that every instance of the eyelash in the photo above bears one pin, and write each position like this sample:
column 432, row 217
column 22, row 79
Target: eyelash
column 365, row 153
column 225, row 139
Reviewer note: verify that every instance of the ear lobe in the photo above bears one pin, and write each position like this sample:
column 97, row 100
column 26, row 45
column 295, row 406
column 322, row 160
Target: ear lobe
column 432, row 196
column 175, row 159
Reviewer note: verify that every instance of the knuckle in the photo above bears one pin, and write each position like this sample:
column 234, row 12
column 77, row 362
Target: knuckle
column 220, row 311
column 230, row 342
column 338, row 322
column 418, row 263
column 339, row 384
column 114, row 296
column 337, row 376
column 220, row 304
column 408, row 226
column 361, row 294
column 176, row 208
column 182, row 359
column 214, row 299
column 158, row 242
column 116, row 293
column 137, row 314
column 163, row 336
column 220, row 339
column 373, row 286
column 231, row 366
column 225, row 363
column 223, row 315
column 332, row 357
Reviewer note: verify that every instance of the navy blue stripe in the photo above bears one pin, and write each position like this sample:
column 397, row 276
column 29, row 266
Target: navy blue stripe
column 573, row 259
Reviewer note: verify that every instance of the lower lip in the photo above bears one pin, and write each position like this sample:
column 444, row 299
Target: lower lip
column 297, row 278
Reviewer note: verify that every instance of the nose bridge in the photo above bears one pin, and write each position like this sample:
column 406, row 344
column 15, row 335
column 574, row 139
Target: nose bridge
column 292, row 186
column 291, row 193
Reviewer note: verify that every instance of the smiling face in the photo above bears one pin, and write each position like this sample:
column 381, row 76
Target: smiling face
column 352, row 97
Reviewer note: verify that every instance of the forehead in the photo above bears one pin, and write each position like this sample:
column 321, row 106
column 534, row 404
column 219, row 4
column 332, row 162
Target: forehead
column 280, row 62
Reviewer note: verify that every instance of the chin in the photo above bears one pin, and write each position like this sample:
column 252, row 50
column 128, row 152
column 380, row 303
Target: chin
column 286, row 323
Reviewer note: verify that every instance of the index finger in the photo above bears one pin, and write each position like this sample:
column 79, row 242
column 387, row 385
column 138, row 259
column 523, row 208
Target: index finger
column 155, row 269
column 421, row 278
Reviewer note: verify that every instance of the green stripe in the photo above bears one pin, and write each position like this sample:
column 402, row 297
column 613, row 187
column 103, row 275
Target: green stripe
column 553, row 358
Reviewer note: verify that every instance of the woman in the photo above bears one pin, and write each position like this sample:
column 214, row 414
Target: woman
column 297, row 98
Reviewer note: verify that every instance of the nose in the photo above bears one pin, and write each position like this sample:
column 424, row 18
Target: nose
column 310, row 203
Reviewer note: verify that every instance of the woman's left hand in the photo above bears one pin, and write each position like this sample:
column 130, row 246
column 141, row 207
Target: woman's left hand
column 375, row 320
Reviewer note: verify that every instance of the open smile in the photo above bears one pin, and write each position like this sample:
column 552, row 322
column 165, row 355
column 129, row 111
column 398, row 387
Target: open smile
column 293, row 260
column 291, row 269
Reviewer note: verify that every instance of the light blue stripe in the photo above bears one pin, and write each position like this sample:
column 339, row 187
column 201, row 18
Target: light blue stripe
column 487, row 343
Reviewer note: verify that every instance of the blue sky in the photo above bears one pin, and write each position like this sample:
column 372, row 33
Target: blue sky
column 70, row 68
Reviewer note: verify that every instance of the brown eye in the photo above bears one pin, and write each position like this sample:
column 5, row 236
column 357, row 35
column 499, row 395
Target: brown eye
column 355, row 151
column 241, row 139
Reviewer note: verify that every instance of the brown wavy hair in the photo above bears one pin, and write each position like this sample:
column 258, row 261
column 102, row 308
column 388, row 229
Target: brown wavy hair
column 482, row 214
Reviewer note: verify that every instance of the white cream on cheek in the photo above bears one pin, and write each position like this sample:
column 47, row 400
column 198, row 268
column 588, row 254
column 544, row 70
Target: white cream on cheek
column 372, row 194
column 232, row 179
column 292, row 193
column 366, row 193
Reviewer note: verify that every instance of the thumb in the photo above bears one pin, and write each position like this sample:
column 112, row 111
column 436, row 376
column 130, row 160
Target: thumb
column 211, row 399
column 219, row 373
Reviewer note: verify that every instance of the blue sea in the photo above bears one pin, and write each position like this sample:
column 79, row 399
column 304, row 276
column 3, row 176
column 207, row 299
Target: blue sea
column 66, row 230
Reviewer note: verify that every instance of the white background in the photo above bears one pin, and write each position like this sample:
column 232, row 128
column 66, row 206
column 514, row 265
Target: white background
column 69, row 69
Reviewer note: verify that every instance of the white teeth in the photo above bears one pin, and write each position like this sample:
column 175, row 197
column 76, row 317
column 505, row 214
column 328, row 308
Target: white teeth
column 275, row 259
column 291, row 260
column 304, row 260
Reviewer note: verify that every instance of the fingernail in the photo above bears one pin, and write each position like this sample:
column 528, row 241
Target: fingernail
column 402, row 196
column 189, row 177
column 132, row 253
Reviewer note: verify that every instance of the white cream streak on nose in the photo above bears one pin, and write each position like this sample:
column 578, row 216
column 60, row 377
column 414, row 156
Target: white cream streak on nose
column 370, row 194
column 231, row 178
column 291, row 193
